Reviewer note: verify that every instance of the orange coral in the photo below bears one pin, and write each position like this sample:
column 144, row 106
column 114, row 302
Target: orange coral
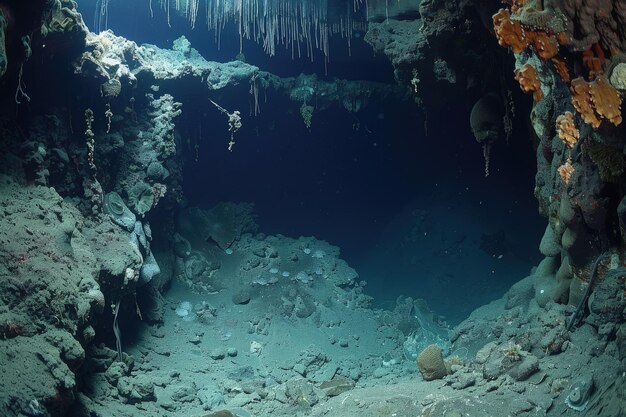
column 567, row 130
column 509, row 33
column 566, row 170
column 517, row 5
column 581, row 99
column 561, row 68
column 546, row 45
column 562, row 38
column 606, row 100
column 528, row 81
column 512, row 34
column 594, row 60
column 596, row 100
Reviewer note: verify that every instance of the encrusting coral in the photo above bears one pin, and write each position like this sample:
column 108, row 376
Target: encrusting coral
column 606, row 101
column 570, row 55
column 581, row 99
column 546, row 45
column 511, row 33
column 536, row 14
column 594, row 60
column 567, row 130
column 560, row 66
column 569, row 134
column 589, row 31
column 529, row 82
column 596, row 100
column 566, row 170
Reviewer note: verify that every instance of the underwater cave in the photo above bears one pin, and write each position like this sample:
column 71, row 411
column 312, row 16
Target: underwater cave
column 214, row 208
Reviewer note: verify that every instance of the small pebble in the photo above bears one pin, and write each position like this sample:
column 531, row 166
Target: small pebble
column 241, row 297
column 217, row 354
column 232, row 352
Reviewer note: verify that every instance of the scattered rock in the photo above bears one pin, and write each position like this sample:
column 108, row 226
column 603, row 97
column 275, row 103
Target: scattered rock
column 527, row 367
column 136, row 389
column 241, row 297
column 381, row 372
column 337, row 386
column 221, row 413
column 185, row 393
column 217, row 354
column 300, row 368
column 463, row 380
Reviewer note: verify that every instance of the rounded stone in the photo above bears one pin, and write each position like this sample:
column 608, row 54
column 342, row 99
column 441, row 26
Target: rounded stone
column 217, row 354
column 241, row 297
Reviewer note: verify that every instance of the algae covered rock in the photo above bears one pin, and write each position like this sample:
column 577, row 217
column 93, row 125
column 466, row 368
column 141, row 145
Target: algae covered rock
column 49, row 297
column 117, row 210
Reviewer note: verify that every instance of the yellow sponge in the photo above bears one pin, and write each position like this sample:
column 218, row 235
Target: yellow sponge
column 430, row 363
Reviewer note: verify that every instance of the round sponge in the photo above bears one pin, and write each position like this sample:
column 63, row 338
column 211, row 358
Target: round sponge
column 430, row 363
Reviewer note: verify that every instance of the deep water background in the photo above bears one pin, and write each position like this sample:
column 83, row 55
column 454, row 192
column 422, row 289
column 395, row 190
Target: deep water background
column 403, row 195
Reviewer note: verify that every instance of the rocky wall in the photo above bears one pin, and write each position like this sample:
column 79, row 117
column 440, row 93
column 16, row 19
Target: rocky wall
column 569, row 57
